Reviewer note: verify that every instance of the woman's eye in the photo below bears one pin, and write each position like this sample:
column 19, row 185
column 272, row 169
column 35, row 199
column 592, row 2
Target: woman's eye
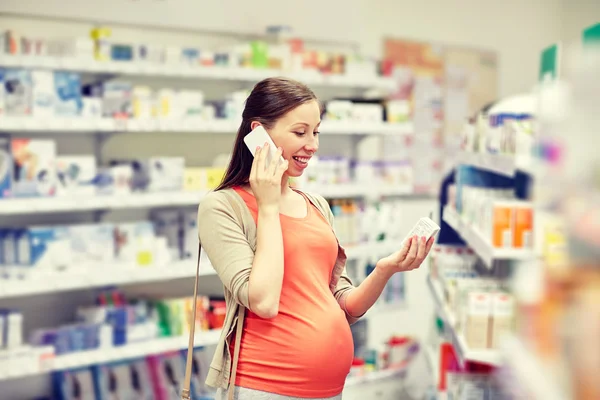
column 316, row 133
column 299, row 133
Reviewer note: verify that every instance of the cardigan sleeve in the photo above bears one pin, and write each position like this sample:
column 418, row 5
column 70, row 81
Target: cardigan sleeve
column 223, row 239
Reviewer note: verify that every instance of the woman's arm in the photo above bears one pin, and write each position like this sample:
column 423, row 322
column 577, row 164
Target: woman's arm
column 254, row 279
column 266, row 277
column 360, row 299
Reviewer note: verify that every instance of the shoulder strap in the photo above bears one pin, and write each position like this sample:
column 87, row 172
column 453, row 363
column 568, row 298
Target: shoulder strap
column 185, row 391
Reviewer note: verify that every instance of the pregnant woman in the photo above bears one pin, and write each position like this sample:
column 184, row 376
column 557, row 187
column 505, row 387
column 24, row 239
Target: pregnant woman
column 289, row 301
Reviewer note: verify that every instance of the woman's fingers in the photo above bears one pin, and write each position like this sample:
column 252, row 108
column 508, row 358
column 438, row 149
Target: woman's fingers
column 421, row 251
column 260, row 159
column 275, row 162
column 412, row 252
column 254, row 168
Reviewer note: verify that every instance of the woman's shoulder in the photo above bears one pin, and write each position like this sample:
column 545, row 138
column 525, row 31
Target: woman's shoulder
column 216, row 200
column 223, row 202
column 317, row 200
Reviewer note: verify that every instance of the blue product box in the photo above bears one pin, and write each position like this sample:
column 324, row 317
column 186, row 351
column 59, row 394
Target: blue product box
column 44, row 248
column 68, row 101
column 6, row 167
column 18, row 92
column 2, row 91
column 75, row 384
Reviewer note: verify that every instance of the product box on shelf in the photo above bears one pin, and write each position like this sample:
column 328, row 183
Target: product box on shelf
column 92, row 243
column 117, row 100
column 168, row 224
column 2, row 92
column 6, row 167
column 18, row 96
column 43, row 93
column 42, row 250
column 75, row 175
column 68, row 94
column 135, row 243
column 34, row 167
column 11, row 329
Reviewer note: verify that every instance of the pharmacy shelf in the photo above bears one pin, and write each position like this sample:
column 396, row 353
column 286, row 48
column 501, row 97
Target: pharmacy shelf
column 479, row 244
column 107, row 355
column 100, row 275
column 116, row 274
column 527, row 374
column 355, row 190
column 464, row 354
column 499, row 163
column 183, row 71
column 68, row 204
column 59, row 204
column 80, row 125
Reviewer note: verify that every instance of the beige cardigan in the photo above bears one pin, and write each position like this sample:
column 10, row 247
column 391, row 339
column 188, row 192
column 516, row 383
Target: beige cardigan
column 227, row 233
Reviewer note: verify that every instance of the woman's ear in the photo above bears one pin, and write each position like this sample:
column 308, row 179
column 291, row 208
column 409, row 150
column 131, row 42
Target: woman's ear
column 254, row 124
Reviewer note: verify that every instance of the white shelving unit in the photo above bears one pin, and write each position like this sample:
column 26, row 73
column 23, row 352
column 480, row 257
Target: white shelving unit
column 498, row 163
column 86, row 129
column 464, row 354
column 83, row 126
column 99, row 275
column 503, row 164
column 37, row 205
column 107, row 355
column 479, row 244
column 132, row 68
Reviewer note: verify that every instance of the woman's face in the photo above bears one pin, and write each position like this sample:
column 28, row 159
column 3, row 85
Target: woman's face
column 297, row 134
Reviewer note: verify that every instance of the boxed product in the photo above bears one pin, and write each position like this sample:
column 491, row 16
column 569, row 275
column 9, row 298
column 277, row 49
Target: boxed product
column 167, row 371
column 476, row 315
column 135, row 243
column 397, row 110
column 42, row 93
column 503, row 318
column 77, row 384
column 18, row 89
column 194, row 179
column 190, row 235
column 43, row 249
column 165, row 173
column 142, row 101
column 2, row 91
column 75, row 175
column 68, row 101
column 168, row 225
column 34, row 167
column 117, row 100
column 92, row 243
column 6, row 166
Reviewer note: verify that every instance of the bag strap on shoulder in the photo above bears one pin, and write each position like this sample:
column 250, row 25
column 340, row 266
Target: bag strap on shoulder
column 185, row 391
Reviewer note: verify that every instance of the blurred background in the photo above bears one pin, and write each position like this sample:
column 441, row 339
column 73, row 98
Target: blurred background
column 117, row 117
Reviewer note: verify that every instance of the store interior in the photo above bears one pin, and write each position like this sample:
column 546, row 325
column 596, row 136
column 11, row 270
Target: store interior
column 118, row 117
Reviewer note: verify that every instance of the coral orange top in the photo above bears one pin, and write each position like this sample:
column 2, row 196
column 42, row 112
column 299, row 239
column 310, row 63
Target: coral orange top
column 307, row 349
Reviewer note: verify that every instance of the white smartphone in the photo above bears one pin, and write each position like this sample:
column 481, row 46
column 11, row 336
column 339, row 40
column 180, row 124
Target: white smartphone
column 424, row 227
column 257, row 138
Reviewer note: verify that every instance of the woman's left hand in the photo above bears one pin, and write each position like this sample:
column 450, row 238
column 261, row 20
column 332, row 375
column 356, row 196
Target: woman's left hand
column 409, row 257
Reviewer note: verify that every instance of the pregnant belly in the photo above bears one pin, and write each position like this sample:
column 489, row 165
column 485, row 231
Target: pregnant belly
column 307, row 355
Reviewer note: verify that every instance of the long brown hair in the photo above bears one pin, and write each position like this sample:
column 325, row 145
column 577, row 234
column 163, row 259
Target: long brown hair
column 269, row 100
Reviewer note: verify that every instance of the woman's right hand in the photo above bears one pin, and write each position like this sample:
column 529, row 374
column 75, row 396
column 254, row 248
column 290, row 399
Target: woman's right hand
column 265, row 180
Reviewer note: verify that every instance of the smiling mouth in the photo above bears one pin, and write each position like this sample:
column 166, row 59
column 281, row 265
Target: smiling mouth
column 302, row 160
